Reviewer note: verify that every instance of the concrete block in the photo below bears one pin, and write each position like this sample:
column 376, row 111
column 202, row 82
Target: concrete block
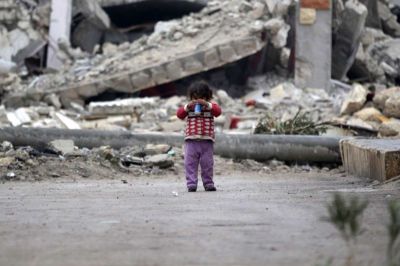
column 372, row 158
column 227, row 53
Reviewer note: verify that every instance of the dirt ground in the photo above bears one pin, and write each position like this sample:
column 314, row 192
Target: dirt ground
column 255, row 218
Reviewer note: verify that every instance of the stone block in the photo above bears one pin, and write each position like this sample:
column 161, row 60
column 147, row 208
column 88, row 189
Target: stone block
column 317, row 4
column 371, row 158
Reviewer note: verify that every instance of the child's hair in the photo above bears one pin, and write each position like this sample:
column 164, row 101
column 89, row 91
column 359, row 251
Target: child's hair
column 200, row 89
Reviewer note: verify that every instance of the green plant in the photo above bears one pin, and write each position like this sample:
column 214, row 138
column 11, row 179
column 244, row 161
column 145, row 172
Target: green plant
column 393, row 252
column 345, row 215
column 301, row 124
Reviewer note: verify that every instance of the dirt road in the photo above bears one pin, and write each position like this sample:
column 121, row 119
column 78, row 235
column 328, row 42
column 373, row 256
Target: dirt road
column 252, row 220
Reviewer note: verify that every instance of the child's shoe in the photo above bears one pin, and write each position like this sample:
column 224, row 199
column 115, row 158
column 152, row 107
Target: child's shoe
column 192, row 189
column 210, row 188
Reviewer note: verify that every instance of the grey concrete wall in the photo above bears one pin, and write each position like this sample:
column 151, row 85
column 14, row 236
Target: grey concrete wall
column 313, row 51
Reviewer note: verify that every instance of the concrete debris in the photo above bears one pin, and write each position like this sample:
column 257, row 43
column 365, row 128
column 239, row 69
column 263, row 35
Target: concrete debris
column 62, row 146
column 355, row 100
column 217, row 35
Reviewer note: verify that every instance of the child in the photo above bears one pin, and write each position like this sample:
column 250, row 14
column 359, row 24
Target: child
column 199, row 135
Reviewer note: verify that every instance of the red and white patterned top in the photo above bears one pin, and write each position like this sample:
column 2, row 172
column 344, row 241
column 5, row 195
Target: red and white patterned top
column 199, row 126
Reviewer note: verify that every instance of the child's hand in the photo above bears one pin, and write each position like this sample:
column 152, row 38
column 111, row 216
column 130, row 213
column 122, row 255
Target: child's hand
column 191, row 104
column 202, row 102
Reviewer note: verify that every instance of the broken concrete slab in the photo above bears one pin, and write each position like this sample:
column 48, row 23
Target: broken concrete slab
column 118, row 107
column 62, row 146
column 66, row 121
column 160, row 160
column 217, row 35
column 371, row 158
column 355, row 100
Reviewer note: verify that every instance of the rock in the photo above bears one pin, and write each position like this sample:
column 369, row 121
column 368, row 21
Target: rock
column 390, row 128
column 355, row 100
column 392, row 106
column 62, row 146
column 387, row 51
column 381, row 97
column 359, row 123
column 6, row 146
column 153, row 149
column 160, row 160
column 6, row 161
column 389, row 21
column 369, row 114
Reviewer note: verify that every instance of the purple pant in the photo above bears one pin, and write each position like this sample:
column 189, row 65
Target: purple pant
column 199, row 152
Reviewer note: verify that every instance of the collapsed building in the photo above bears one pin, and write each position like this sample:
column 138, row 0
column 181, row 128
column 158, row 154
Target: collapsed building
column 107, row 50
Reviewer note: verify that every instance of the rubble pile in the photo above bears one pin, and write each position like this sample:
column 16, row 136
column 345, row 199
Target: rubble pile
column 366, row 41
column 377, row 111
column 61, row 159
column 224, row 31
column 23, row 31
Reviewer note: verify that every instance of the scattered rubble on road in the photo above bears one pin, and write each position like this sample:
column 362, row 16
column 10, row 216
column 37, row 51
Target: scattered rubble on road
column 27, row 163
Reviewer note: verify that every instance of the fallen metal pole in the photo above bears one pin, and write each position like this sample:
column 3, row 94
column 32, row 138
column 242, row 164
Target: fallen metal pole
column 256, row 147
